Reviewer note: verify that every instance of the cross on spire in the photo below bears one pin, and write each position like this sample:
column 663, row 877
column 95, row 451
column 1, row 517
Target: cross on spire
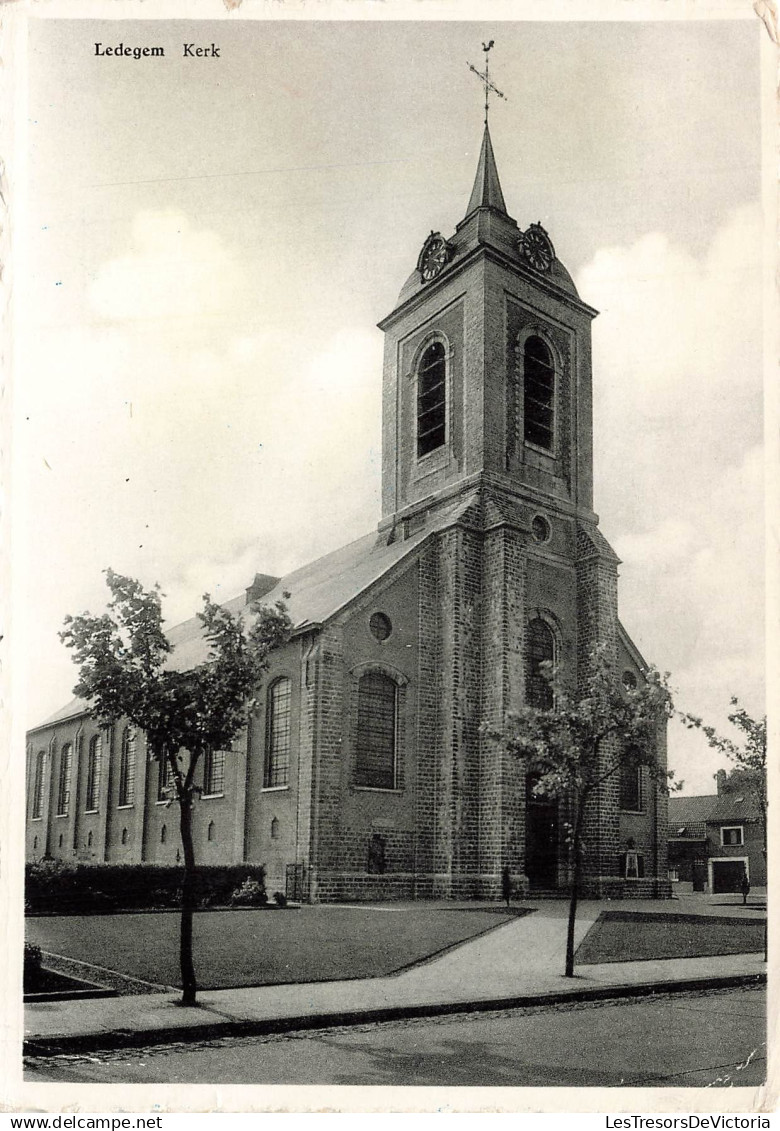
column 485, row 78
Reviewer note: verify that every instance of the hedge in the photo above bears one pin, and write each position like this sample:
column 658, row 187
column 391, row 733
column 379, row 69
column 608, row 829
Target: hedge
column 53, row 887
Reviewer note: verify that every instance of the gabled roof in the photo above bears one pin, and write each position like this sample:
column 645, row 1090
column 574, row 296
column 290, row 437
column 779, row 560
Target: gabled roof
column 313, row 593
column 688, row 810
column 712, row 808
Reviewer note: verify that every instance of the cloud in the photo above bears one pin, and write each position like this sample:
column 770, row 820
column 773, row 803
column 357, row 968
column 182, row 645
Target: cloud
column 169, row 271
column 679, row 463
column 189, row 449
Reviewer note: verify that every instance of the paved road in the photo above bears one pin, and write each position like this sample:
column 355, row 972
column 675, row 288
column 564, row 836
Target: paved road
column 715, row 1038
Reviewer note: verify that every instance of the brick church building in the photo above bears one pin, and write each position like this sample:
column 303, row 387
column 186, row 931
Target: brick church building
column 364, row 773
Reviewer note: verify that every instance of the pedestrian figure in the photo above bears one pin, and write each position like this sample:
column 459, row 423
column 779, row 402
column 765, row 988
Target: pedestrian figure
column 744, row 888
column 506, row 883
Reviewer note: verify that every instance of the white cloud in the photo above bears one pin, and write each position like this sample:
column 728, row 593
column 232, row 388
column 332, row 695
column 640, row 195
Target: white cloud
column 679, row 464
column 190, row 454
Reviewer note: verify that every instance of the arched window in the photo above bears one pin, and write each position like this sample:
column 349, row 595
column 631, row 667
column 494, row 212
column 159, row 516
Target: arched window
column 277, row 734
column 375, row 761
column 63, row 789
column 89, row 839
column 124, row 836
column 431, row 399
column 37, row 805
column 630, row 785
column 540, row 648
column 275, row 828
column 163, row 834
column 35, row 844
column 213, row 772
column 539, row 392
column 164, row 776
column 127, row 768
column 60, row 841
column 94, row 760
column 211, row 831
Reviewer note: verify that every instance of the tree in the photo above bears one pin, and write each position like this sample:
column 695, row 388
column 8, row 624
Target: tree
column 573, row 747
column 124, row 672
column 748, row 757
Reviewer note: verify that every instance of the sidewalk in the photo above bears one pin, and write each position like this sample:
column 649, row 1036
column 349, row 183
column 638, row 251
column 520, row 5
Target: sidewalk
column 519, row 963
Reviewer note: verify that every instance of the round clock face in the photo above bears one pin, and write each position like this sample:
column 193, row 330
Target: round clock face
column 537, row 249
column 433, row 258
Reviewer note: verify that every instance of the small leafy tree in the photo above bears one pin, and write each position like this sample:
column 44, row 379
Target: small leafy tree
column 572, row 748
column 748, row 756
column 122, row 658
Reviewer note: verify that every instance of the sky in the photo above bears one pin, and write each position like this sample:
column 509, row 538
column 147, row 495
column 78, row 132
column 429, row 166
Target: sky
column 211, row 242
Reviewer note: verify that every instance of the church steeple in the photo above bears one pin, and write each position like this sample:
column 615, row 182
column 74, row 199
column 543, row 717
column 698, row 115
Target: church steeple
column 487, row 187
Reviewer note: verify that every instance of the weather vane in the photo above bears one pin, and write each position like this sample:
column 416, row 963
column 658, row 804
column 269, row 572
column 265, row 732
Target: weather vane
column 485, row 77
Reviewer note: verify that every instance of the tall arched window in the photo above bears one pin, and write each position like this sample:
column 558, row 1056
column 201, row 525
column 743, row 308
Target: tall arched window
column 164, row 777
column 375, row 761
column 539, row 393
column 431, row 399
column 277, row 735
column 94, row 759
column 37, row 805
column 213, row 772
column 63, row 788
column 540, row 648
column 127, row 768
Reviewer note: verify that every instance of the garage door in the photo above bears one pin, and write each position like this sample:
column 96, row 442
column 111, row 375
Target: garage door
column 727, row 875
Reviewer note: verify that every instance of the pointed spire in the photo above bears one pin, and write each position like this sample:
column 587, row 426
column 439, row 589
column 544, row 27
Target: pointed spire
column 487, row 187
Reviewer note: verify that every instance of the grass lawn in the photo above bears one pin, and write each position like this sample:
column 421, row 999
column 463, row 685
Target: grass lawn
column 256, row 948
column 631, row 936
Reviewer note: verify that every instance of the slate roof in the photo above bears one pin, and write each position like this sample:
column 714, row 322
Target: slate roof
column 711, row 808
column 317, row 590
column 487, row 187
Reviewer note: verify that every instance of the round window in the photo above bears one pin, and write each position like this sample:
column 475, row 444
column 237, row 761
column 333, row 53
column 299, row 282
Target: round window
column 540, row 528
column 380, row 626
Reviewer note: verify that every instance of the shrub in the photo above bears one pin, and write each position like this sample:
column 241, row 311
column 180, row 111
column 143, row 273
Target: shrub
column 280, row 899
column 55, row 888
column 32, row 961
column 251, row 893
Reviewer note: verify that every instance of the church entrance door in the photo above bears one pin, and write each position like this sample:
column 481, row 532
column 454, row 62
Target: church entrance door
column 541, row 841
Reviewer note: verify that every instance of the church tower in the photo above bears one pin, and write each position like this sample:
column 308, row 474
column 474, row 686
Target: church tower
column 487, row 368
column 487, row 436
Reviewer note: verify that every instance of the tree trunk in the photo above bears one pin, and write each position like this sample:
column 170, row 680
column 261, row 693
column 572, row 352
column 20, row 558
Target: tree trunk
column 575, row 890
column 188, row 983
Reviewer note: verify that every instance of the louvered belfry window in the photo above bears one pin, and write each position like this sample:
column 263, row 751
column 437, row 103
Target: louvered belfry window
column 376, row 731
column 540, row 647
column 277, row 750
column 539, row 392
column 431, row 399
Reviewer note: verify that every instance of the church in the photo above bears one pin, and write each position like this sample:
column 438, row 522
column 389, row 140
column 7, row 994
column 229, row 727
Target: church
column 365, row 772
